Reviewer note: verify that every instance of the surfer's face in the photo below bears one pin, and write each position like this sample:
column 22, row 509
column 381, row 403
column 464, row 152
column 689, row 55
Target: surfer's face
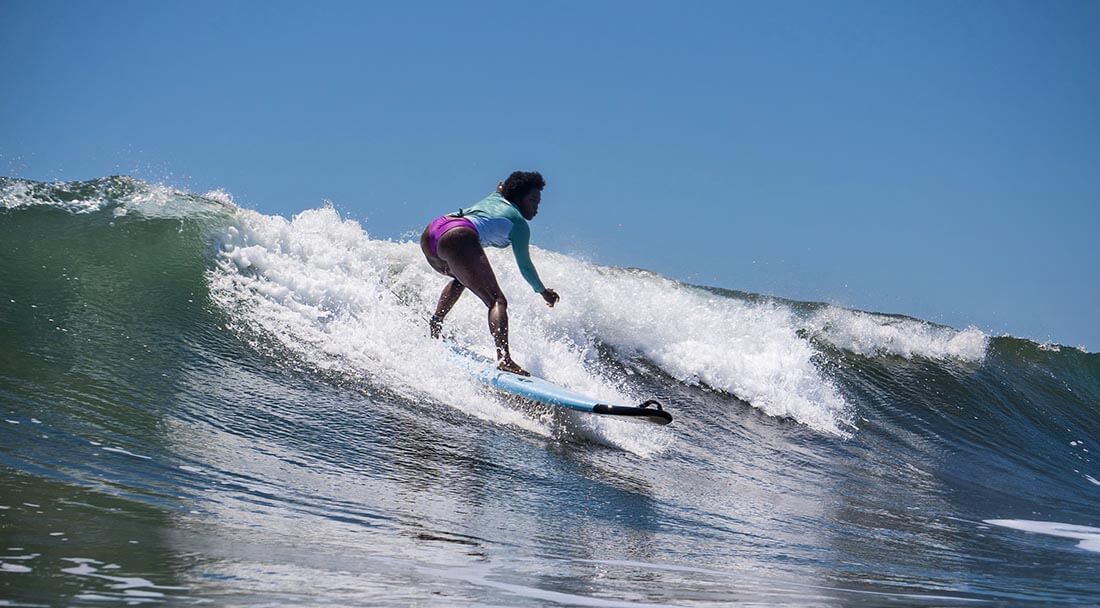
column 529, row 205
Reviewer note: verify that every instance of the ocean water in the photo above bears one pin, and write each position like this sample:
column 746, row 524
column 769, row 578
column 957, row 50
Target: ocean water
column 202, row 404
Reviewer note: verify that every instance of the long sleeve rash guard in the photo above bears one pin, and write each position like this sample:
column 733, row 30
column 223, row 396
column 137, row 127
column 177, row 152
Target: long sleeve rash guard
column 499, row 224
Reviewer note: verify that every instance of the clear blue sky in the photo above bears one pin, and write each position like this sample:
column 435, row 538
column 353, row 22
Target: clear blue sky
column 938, row 159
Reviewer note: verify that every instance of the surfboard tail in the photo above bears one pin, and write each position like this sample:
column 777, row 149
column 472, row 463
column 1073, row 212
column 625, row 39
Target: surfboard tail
column 642, row 412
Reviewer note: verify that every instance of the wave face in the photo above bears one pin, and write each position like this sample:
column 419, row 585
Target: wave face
column 204, row 402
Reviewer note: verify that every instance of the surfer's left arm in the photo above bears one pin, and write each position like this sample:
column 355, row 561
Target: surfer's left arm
column 521, row 239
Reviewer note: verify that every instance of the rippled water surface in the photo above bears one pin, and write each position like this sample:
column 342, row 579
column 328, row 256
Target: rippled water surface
column 202, row 403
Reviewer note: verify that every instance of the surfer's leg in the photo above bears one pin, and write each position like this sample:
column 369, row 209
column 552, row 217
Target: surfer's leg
column 447, row 300
column 462, row 252
column 451, row 292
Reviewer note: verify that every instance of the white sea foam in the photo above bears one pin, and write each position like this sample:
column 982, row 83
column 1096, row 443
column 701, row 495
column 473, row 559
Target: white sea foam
column 750, row 350
column 340, row 301
column 126, row 452
column 346, row 303
column 221, row 196
column 871, row 334
column 16, row 568
column 17, row 193
column 90, row 568
column 1089, row 536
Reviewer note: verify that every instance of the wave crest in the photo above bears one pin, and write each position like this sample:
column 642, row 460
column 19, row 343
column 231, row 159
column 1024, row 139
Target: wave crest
column 871, row 334
column 120, row 194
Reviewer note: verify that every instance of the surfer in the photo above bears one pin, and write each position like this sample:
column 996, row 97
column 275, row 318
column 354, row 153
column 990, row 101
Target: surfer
column 453, row 245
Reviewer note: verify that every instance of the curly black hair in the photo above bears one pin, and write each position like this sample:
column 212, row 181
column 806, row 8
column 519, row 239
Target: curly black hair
column 520, row 183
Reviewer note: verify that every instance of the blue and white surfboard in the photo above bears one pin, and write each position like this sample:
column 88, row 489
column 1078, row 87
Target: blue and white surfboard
column 542, row 391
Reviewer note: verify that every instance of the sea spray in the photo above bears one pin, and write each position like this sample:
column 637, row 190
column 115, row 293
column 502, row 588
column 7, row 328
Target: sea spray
column 870, row 334
column 322, row 287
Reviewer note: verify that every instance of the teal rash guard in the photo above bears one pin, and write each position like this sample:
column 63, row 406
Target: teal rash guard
column 499, row 224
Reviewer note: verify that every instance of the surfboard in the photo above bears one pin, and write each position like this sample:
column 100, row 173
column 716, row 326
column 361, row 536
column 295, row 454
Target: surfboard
column 543, row 391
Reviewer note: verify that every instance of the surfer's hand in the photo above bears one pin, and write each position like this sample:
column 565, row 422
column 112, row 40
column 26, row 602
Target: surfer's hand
column 550, row 296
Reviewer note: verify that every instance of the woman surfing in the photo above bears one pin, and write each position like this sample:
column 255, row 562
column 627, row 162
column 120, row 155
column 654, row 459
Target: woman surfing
column 454, row 246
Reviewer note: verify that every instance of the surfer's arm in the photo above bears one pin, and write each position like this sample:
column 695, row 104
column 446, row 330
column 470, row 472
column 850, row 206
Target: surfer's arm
column 521, row 239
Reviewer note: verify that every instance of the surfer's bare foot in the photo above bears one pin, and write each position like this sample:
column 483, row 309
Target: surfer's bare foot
column 435, row 325
column 507, row 365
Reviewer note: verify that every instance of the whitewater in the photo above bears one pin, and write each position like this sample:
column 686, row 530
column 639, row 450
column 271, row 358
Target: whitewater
column 203, row 402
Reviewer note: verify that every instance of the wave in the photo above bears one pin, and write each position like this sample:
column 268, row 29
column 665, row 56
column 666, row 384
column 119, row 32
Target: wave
column 325, row 290
column 319, row 287
column 191, row 356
